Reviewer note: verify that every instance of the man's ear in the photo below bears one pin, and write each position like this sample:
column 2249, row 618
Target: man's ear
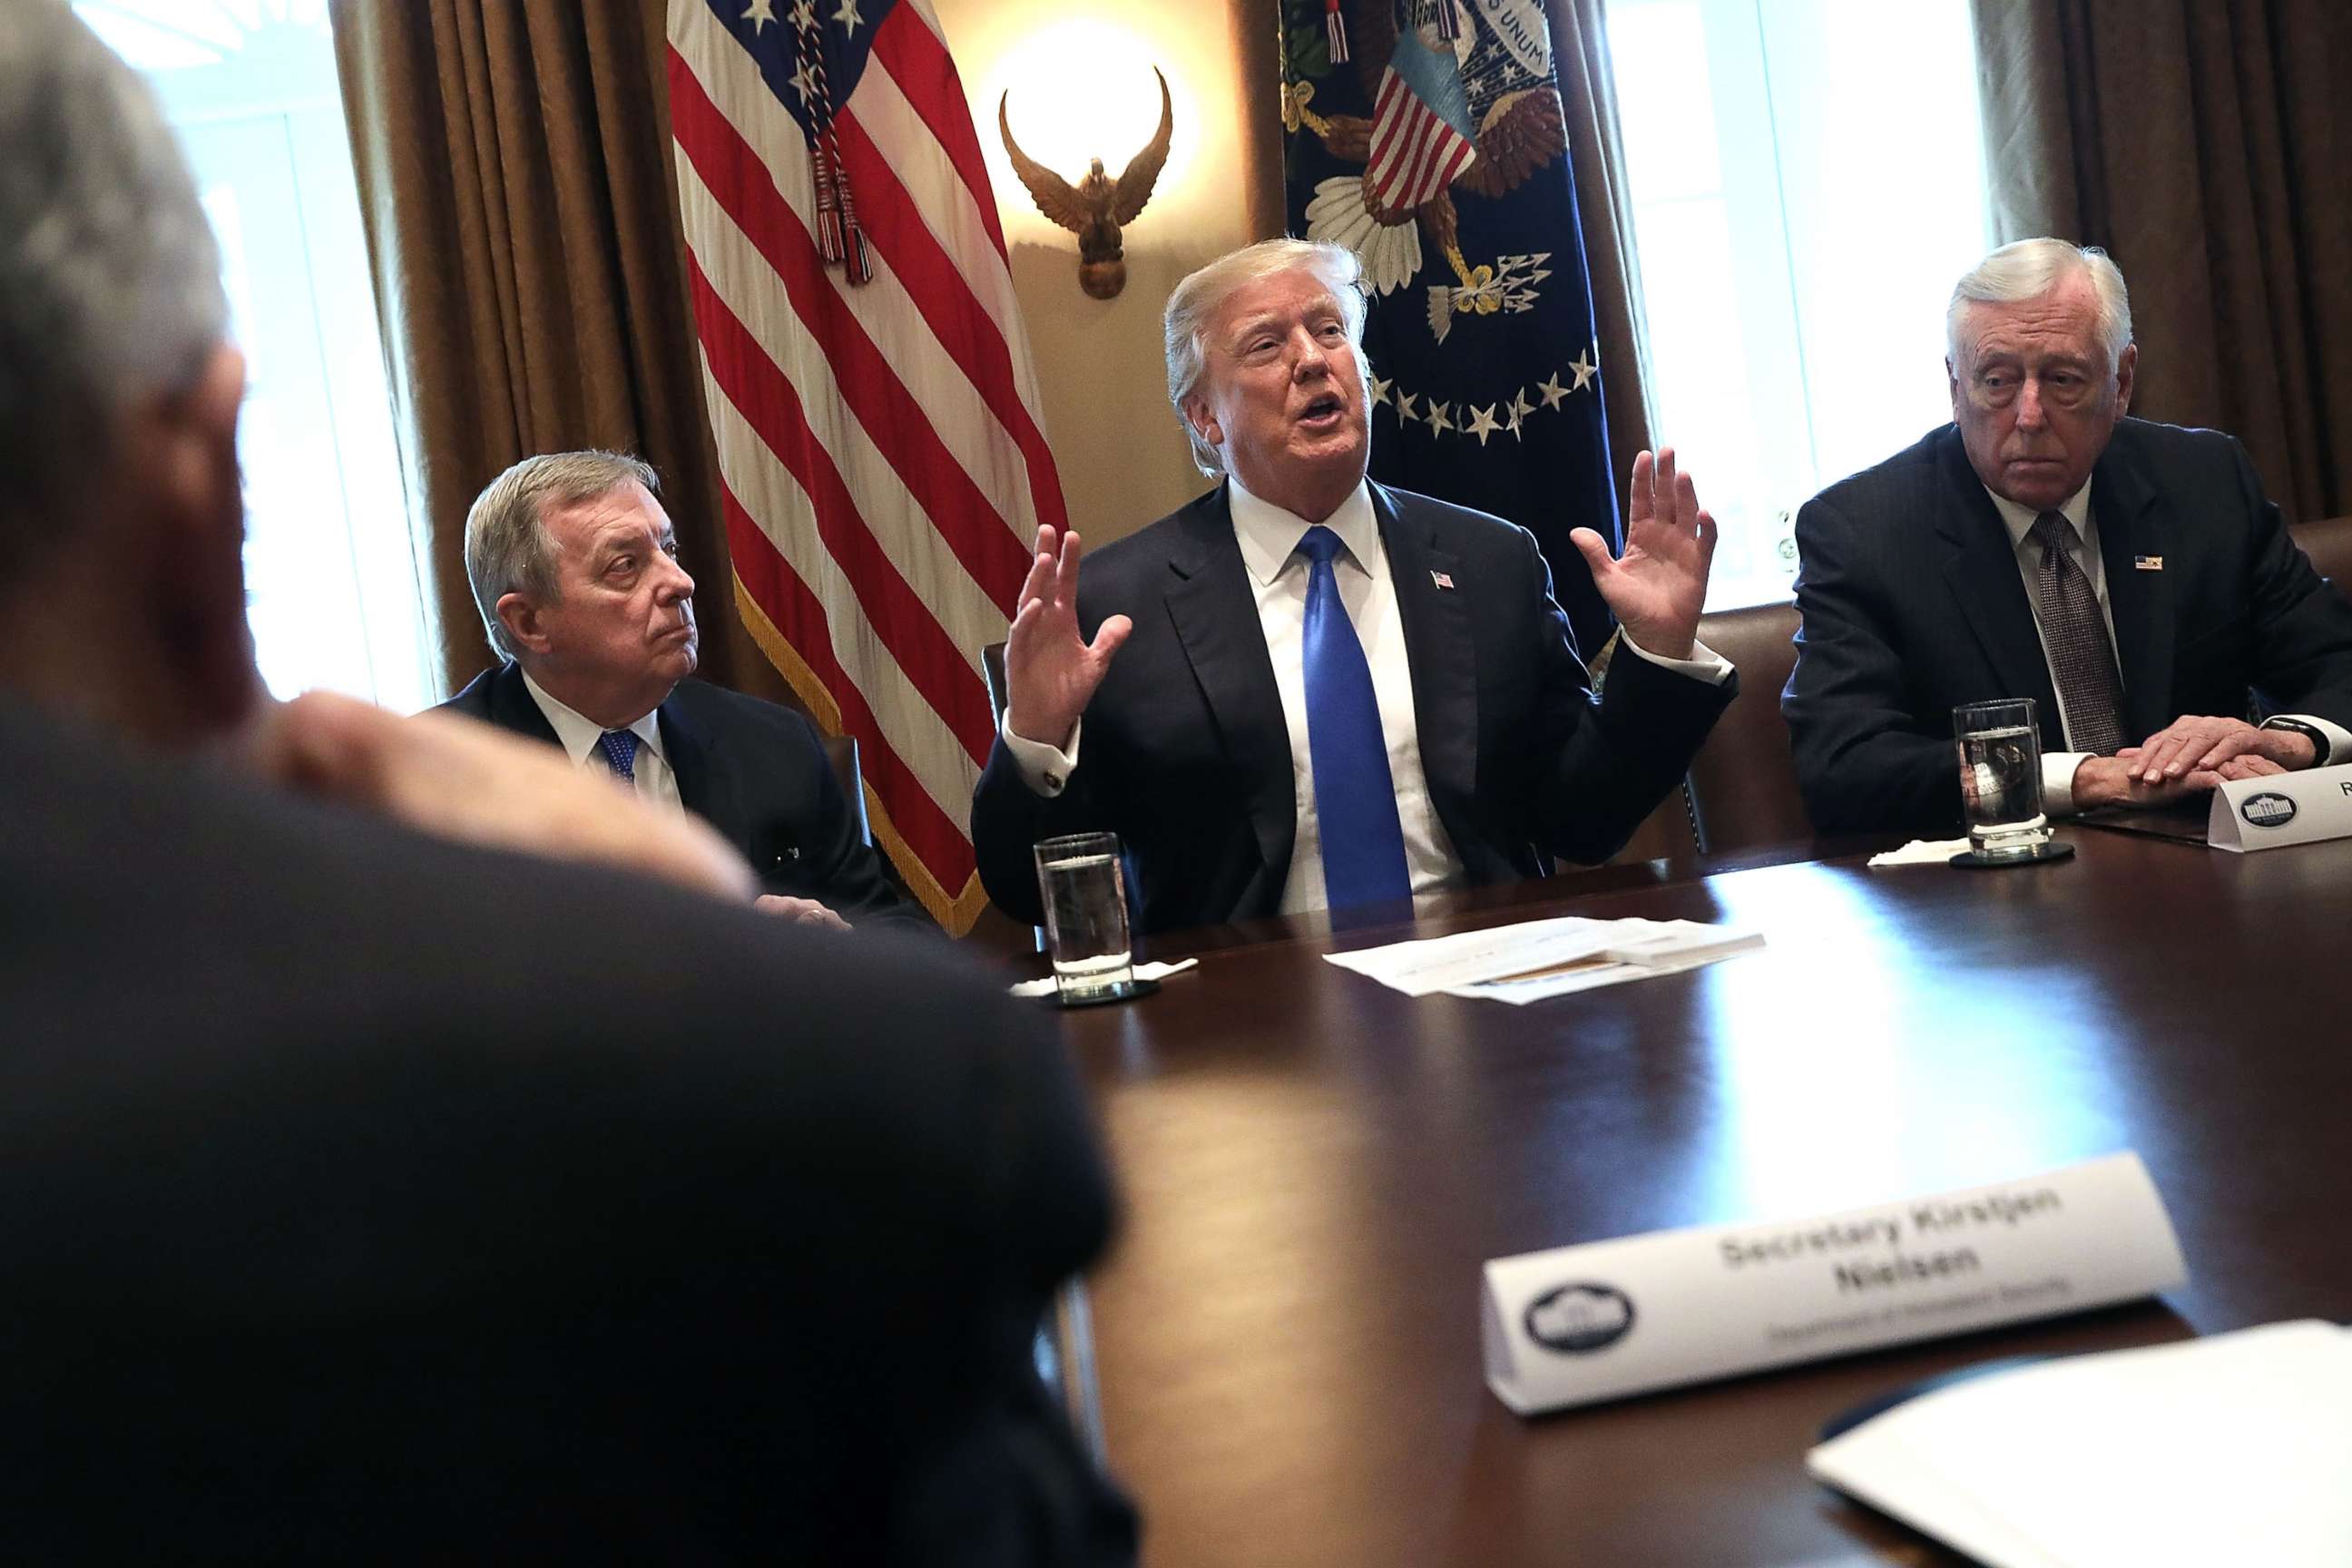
column 1203, row 423
column 184, row 447
column 2126, row 364
column 520, row 618
column 1952, row 376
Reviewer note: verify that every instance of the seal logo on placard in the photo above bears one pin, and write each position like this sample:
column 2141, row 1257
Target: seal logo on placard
column 2267, row 810
column 1578, row 1319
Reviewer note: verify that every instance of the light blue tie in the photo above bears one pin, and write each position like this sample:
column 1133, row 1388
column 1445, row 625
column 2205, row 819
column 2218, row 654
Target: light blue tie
column 1355, row 800
column 620, row 747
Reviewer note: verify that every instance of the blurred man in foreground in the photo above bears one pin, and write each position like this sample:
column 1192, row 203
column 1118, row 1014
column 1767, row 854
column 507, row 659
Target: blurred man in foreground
column 2130, row 578
column 371, row 1196
column 574, row 567
column 1304, row 690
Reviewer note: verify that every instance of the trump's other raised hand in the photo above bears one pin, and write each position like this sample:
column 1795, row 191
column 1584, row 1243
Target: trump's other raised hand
column 1051, row 671
column 1659, row 585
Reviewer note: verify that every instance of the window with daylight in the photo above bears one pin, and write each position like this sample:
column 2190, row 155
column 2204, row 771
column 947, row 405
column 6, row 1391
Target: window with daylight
column 333, row 588
column 1807, row 179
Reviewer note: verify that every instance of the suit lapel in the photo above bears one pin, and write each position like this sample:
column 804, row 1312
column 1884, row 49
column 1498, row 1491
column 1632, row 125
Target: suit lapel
column 1216, row 620
column 1439, row 651
column 686, row 747
column 1980, row 565
column 2132, row 525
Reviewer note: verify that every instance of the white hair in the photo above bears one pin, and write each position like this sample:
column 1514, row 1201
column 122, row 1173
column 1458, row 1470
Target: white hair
column 2032, row 267
column 1203, row 293
column 506, row 547
column 110, row 277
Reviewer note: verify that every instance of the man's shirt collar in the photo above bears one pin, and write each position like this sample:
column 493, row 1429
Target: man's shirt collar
column 2020, row 520
column 579, row 734
column 1269, row 536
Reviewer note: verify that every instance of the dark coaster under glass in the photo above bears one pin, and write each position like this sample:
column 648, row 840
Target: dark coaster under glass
column 2050, row 850
column 1125, row 990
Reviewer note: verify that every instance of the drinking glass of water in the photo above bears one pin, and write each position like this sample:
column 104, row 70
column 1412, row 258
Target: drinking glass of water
column 1085, row 892
column 2001, row 778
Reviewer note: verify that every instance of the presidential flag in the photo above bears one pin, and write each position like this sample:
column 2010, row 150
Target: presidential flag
column 1427, row 136
column 868, row 385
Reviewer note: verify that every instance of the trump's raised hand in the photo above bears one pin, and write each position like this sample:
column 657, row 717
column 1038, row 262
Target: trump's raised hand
column 1659, row 585
column 1051, row 671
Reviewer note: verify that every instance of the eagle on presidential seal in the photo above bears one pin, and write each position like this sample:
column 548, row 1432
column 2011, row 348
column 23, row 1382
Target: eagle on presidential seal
column 1463, row 95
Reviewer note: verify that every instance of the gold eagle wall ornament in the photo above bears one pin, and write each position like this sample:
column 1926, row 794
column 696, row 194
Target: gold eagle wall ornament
column 1097, row 207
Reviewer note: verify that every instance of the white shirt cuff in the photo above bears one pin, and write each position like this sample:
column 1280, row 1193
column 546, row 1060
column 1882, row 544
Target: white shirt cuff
column 1045, row 769
column 2339, row 739
column 1703, row 664
column 2058, row 781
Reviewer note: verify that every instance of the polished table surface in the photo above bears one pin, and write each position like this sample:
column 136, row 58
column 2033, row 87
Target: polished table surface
column 1315, row 1167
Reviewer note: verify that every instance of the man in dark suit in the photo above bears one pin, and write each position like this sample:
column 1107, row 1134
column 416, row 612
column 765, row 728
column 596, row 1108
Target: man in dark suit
column 2130, row 578
column 372, row 1197
column 574, row 566
column 1304, row 690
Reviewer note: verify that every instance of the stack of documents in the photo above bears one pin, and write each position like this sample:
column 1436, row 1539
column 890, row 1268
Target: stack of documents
column 1545, row 958
column 2233, row 1450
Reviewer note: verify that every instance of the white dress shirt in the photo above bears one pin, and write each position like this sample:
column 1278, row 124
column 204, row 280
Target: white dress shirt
column 2058, row 767
column 1279, row 574
column 580, row 736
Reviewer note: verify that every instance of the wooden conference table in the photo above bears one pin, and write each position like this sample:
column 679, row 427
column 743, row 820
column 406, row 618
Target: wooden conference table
column 1315, row 1167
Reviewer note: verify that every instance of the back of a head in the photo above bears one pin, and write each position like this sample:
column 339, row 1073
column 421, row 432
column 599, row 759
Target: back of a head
column 110, row 277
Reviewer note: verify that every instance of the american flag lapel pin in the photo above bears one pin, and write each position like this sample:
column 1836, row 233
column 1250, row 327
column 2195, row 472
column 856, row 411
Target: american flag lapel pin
column 1443, row 580
column 2148, row 563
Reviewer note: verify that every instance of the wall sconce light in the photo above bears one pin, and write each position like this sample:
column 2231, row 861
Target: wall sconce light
column 1097, row 208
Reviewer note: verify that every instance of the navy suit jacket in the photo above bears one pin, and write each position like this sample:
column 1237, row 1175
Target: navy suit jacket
column 1912, row 605
column 1186, row 754
column 758, row 774
column 420, row 1203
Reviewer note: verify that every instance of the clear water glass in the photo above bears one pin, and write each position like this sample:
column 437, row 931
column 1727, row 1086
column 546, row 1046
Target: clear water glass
column 2001, row 778
column 1084, row 889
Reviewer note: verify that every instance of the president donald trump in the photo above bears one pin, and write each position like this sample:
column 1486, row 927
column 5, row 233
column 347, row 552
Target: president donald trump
column 1306, row 690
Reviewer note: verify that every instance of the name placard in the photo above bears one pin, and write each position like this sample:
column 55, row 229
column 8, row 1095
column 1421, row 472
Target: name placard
column 2284, row 808
column 1607, row 1319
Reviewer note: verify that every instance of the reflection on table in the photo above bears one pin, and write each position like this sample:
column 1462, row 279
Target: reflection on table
column 1315, row 1167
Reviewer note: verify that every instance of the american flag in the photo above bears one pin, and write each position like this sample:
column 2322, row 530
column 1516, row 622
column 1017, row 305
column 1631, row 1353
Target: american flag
column 1421, row 134
column 875, row 413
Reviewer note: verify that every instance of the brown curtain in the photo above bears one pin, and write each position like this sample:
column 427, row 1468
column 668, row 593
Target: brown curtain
column 2207, row 145
column 1596, row 151
column 513, row 161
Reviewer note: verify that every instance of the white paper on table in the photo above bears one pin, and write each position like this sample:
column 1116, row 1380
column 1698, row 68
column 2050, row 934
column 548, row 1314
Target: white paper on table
column 1142, row 972
column 1921, row 852
column 2236, row 1448
column 1545, row 958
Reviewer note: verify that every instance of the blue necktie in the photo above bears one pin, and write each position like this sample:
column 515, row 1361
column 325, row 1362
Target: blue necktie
column 620, row 747
column 1355, row 801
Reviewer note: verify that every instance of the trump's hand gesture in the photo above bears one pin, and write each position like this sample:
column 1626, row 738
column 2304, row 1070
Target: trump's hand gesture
column 1659, row 585
column 1051, row 671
